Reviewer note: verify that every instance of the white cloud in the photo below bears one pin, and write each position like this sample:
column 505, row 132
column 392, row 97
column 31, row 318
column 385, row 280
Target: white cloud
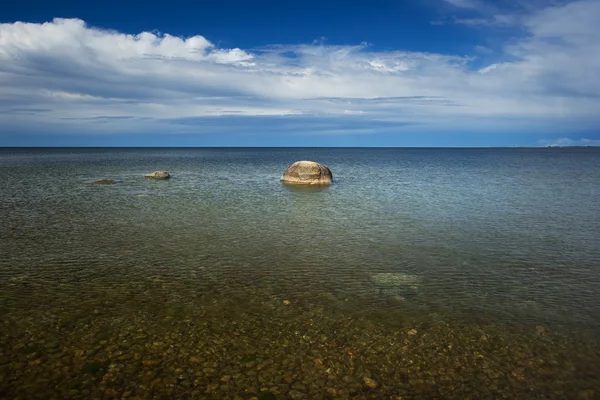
column 464, row 3
column 570, row 142
column 483, row 49
column 489, row 68
column 396, row 66
column 498, row 20
column 561, row 55
column 101, row 45
column 78, row 74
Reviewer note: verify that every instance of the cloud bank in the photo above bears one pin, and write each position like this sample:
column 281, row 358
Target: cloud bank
column 570, row 142
column 66, row 76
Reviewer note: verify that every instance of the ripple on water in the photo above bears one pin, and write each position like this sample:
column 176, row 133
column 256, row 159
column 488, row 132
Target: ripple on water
column 440, row 274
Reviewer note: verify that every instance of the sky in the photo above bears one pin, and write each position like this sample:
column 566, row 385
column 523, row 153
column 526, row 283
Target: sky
column 300, row 73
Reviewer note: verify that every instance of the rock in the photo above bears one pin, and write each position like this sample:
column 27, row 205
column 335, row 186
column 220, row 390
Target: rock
column 396, row 284
column 266, row 395
column 586, row 394
column 104, row 182
column 296, row 395
column 307, row 173
column 212, row 388
column 299, row 387
column 392, row 279
column 370, row 383
column 158, row 175
column 150, row 363
column 541, row 330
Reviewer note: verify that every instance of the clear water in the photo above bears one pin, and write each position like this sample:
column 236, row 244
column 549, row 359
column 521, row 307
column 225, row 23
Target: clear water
column 421, row 273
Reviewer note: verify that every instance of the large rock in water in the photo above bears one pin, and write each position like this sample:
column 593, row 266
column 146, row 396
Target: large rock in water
column 307, row 173
column 104, row 182
column 158, row 175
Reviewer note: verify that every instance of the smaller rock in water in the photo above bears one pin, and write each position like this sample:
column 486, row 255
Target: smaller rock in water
column 104, row 182
column 158, row 175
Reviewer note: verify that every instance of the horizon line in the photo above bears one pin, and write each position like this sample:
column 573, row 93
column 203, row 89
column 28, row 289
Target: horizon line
column 300, row 147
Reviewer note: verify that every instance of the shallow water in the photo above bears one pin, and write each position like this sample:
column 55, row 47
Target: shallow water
column 420, row 273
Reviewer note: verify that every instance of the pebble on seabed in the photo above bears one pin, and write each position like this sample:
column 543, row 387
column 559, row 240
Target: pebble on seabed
column 370, row 382
column 303, row 351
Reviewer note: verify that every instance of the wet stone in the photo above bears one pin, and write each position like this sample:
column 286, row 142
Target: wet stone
column 370, row 383
column 296, row 395
column 291, row 353
column 150, row 363
column 299, row 387
column 266, row 395
column 541, row 330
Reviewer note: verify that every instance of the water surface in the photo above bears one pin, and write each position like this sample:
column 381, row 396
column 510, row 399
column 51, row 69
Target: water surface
column 421, row 273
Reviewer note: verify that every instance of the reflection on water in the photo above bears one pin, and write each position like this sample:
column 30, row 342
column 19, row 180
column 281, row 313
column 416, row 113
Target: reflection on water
column 417, row 274
column 292, row 187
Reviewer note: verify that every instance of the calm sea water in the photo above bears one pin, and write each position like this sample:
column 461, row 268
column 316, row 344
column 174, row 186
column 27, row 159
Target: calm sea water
column 222, row 282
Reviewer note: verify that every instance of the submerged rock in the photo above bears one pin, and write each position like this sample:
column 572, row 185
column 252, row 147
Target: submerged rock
column 307, row 173
column 394, row 279
column 370, row 383
column 541, row 330
column 104, row 182
column 158, row 175
column 396, row 284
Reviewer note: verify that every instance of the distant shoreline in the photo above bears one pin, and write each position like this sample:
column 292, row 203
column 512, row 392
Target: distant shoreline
column 300, row 147
column 558, row 146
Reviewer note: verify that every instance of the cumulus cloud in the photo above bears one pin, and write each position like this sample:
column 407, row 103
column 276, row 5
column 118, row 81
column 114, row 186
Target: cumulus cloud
column 66, row 75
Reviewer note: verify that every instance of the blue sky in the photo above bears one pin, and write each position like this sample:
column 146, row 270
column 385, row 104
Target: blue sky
column 285, row 73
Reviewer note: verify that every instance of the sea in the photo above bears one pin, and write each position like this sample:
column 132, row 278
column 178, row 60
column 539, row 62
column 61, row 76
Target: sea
column 419, row 273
